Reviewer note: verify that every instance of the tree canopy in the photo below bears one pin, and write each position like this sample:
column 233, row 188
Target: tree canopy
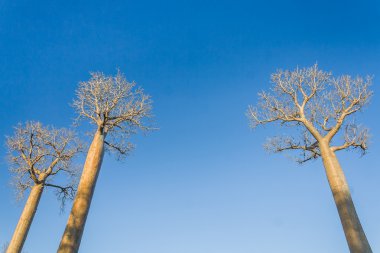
column 318, row 103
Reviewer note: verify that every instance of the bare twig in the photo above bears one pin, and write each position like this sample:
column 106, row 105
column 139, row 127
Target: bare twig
column 317, row 101
column 37, row 153
column 116, row 107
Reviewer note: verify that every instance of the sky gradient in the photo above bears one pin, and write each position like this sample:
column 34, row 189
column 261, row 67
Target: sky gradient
column 202, row 183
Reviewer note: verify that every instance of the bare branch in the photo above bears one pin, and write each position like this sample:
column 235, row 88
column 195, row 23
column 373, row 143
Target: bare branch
column 37, row 153
column 318, row 102
column 63, row 193
column 307, row 145
column 354, row 137
column 116, row 106
column 291, row 100
column 121, row 148
column 349, row 96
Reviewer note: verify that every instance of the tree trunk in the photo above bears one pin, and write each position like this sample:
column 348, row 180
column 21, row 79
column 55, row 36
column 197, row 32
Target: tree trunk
column 75, row 225
column 355, row 236
column 23, row 225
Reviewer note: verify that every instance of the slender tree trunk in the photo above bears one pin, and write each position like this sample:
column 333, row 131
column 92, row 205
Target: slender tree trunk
column 23, row 225
column 355, row 236
column 75, row 225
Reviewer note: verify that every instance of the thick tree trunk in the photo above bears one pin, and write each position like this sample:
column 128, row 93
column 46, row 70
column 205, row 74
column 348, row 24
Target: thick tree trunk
column 75, row 225
column 23, row 225
column 355, row 236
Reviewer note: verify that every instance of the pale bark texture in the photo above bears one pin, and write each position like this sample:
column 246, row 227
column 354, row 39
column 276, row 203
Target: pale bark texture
column 118, row 110
column 318, row 105
column 37, row 155
column 23, row 225
column 355, row 236
column 74, row 229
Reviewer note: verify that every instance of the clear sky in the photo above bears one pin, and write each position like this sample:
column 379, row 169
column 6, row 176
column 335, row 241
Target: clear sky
column 202, row 183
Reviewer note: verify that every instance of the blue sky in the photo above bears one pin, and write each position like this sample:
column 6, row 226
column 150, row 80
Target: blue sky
column 202, row 183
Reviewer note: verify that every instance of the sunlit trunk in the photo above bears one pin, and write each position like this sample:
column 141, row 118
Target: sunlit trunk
column 355, row 236
column 74, row 229
column 23, row 225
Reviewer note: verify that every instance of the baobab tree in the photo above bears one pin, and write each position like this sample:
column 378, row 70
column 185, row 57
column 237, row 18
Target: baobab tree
column 319, row 106
column 38, row 157
column 118, row 109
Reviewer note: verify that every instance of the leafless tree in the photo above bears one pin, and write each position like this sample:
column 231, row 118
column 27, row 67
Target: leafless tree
column 37, row 156
column 318, row 106
column 118, row 109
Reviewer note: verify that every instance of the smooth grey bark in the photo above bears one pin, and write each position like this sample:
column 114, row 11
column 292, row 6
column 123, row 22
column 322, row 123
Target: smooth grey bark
column 23, row 225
